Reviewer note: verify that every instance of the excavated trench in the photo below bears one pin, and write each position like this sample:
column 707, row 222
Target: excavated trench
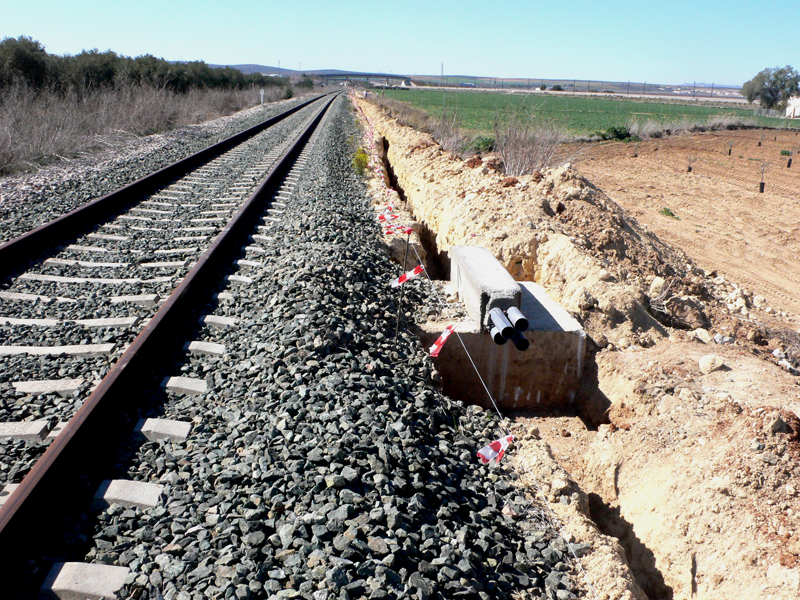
column 437, row 262
column 590, row 407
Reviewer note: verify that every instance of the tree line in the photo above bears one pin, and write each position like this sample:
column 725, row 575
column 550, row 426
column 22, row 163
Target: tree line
column 25, row 61
column 773, row 87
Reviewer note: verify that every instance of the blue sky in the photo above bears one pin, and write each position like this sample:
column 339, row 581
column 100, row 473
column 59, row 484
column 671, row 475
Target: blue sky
column 659, row 42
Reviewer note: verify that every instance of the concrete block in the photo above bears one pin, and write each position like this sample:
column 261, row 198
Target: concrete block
column 249, row 263
column 85, row 264
column 34, row 322
column 62, row 387
column 225, row 296
column 160, row 429
column 138, row 494
column 186, row 385
column 262, row 238
column 99, row 280
column 55, row 431
column 199, row 229
column 115, row 322
column 218, row 322
column 547, row 375
column 6, row 492
column 482, row 282
column 76, row 350
column 171, row 251
column 27, row 431
column 140, row 299
column 255, row 249
column 209, row 348
column 110, row 238
column 239, row 279
column 78, row 248
column 174, row 264
column 83, row 581
column 192, row 238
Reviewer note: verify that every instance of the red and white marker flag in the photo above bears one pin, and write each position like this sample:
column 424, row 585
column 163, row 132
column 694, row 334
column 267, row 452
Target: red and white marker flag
column 408, row 275
column 437, row 345
column 495, row 450
column 391, row 217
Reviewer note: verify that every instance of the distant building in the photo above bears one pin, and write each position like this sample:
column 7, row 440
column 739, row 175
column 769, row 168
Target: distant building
column 793, row 108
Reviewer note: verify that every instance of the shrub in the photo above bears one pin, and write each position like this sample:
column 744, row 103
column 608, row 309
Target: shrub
column 668, row 213
column 618, row 133
column 360, row 161
column 543, row 87
column 526, row 145
column 557, row 88
column 480, row 143
column 786, row 152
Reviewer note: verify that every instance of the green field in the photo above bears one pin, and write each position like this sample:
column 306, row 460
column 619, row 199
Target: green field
column 580, row 116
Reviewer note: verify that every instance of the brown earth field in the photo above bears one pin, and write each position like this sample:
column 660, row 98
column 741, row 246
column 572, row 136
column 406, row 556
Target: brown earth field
column 723, row 222
column 677, row 463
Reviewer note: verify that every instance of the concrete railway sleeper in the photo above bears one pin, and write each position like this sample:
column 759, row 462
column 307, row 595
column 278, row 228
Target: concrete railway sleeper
column 53, row 354
column 274, row 442
column 50, row 403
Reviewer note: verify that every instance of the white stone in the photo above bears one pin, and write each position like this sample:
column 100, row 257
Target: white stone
column 710, row 362
column 62, row 387
column 657, row 286
column 226, row 296
column 209, row 348
column 159, row 429
column 186, row 385
column 25, row 430
column 129, row 493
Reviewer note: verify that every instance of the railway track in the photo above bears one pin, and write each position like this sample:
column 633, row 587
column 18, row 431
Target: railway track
column 76, row 324
column 262, row 436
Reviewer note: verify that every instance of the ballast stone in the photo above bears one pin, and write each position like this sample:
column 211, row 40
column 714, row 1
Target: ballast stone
column 482, row 282
column 129, row 493
column 83, row 581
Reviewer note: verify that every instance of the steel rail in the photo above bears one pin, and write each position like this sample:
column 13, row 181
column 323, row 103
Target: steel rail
column 28, row 514
column 17, row 253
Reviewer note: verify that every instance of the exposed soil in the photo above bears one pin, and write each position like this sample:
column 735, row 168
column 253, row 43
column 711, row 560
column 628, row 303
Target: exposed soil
column 723, row 222
column 683, row 479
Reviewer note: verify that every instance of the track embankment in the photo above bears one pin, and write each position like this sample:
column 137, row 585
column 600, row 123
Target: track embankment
column 684, row 439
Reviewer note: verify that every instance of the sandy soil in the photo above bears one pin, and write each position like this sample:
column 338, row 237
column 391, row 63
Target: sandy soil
column 683, row 479
column 722, row 222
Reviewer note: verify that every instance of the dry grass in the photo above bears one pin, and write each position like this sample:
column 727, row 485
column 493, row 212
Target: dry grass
column 526, row 145
column 656, row 129
column 39, row 128
column 447, row 131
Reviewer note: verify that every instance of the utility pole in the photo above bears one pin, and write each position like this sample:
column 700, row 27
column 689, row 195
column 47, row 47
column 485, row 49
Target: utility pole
column 628, row 93
column 712, row 90
column 694, row 86
column 644, row 89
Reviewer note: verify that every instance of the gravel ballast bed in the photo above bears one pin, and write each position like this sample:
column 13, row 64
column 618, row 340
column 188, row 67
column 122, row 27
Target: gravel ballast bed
column 28, row 200
column 93, row 300
column 322, row 462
